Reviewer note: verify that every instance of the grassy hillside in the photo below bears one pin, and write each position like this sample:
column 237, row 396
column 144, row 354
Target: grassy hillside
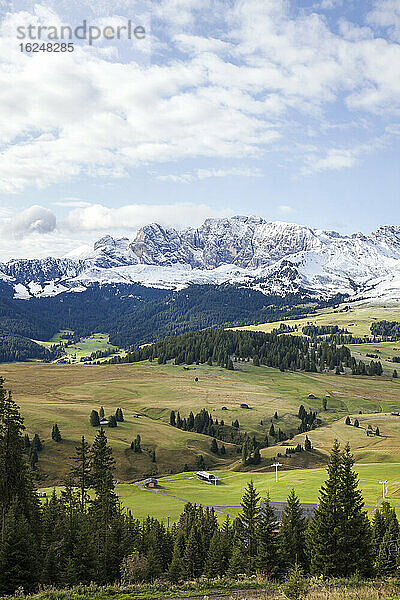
column 356, row 319
column 66, row 394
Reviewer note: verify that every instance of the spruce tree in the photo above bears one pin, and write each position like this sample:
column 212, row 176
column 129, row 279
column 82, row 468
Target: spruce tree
column 323, row 543
column 347, row 421
column 214, row 446
column 292, row 534
column 18, row 553
column 176, row 567
column 104, row 505
column 192, row 558
column 101, row 412
column 267, row 558
column 81, row 471
column 15, row 479
column 248, row 520
column 56, row 434
column 377, row 431
column 172, row 418
column 340, row 524
column 119, row 415
column 94, row 418
column 112, row 421
column 356, row 531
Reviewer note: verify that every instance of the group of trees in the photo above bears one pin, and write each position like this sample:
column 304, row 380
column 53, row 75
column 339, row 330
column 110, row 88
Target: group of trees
column 113, row 420
column 221, row 347
column 360, row 368
column 75, row 538
column 357, row 424
column 308, row 419
column 204, row 423
column 386, row 330
column 17, row 348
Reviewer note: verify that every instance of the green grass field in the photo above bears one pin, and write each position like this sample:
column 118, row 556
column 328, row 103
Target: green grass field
column 83, row 348
column 356, row 319
column 66, row 394
column 227, row 495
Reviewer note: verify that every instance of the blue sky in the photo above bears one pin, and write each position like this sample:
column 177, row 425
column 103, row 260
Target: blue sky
column 286, row 109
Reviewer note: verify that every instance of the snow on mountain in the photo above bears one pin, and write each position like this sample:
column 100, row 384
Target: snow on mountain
column 273, row 257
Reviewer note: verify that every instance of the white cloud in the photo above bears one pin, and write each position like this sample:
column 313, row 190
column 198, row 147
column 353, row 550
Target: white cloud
column 199, row 174
column 386, row 14
column 233, row 94
column 334, row 160
column 98, row 217
column 35, row 219
column 34, row 233
column 284, row 208
column 71, row 203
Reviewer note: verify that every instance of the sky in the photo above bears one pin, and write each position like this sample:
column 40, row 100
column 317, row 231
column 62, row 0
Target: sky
column 285, row 109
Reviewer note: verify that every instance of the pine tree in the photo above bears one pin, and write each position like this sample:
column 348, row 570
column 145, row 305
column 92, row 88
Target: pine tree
column 267, row 558
column 214, row 446
column 101, row 412
column 172, row 418
column 176, row 567
column 192, row 558
column 248, row 520
column 395, row 375
column 27, row 442
column 245, row 452
column 340, row 523
column 119, row 415
column 112, row 421
column 215, row 565
column 272, row 430
column 223, row 450
column 81, row 471
column 94, row 419
column 104, row 504
column 18, row 566
column 377, row 431
column 324, row 528
column 15, row 480
column 307, row 444
column 238, row 563
column 292, row 534
column 356, row 423
column 37, row 443
column 356, row 532
column 33, row 458
column 56, row 434
column 347, row 421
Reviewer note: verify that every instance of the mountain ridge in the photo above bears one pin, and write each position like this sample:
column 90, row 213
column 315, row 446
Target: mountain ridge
column 272, row 257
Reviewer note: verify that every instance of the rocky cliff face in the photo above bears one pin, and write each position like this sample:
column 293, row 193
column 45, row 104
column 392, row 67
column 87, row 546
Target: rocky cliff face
column 279, row 257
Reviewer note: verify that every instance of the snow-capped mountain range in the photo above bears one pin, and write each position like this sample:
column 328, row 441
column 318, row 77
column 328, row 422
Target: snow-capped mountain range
column 269, row 256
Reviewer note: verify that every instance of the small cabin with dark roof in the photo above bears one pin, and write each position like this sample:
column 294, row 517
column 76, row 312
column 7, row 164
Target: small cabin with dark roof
column 151, row 482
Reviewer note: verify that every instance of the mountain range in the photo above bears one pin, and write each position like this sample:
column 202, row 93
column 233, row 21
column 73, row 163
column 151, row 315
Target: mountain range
column 272, row 257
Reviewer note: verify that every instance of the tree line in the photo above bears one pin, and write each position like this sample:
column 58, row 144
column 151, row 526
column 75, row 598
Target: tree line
column 219, row 346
